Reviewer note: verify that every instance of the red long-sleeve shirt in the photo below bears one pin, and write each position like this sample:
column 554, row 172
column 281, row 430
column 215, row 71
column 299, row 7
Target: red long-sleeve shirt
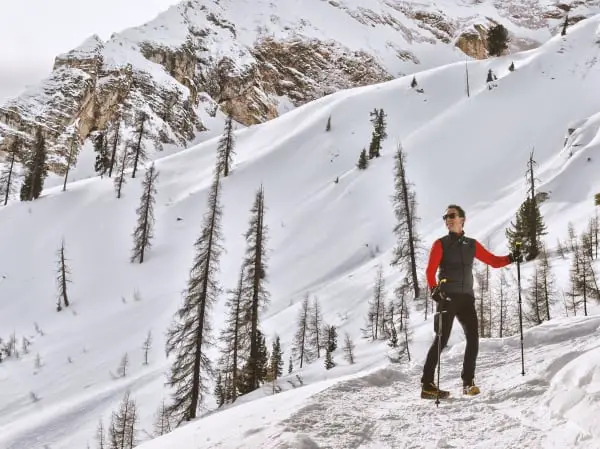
column 482, row 254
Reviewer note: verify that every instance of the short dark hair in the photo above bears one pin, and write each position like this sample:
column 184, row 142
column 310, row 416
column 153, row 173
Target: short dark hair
column 461, row 211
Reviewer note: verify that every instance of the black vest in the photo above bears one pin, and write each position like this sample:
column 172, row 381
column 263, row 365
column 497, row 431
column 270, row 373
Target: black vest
column 457, row 264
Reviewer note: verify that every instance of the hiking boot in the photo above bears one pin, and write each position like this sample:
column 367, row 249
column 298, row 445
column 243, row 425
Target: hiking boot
column 471, row 389
column 431, row 391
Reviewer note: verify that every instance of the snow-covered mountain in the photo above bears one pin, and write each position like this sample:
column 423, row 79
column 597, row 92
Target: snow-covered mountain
column 255, row 60
column 330, row 226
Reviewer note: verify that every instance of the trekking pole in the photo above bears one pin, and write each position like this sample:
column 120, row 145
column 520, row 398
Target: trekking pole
column 439, row 342
column 518, row 251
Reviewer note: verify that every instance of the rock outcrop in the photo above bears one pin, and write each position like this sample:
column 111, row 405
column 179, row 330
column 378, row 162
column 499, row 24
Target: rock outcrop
column 197, row 51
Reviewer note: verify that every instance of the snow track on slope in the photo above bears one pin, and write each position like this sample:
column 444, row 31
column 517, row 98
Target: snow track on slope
column 384, row 410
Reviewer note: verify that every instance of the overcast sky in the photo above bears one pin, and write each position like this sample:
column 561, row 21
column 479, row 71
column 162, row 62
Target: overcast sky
column 33, row 32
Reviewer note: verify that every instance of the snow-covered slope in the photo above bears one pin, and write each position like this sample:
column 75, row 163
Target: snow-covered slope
column 258, row 59
column 554, row 406
column 325, row 238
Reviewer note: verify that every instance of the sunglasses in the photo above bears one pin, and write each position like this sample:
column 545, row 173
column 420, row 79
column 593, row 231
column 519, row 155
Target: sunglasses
column 450, row 215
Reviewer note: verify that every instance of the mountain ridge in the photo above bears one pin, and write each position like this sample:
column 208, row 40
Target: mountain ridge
column 254, row 61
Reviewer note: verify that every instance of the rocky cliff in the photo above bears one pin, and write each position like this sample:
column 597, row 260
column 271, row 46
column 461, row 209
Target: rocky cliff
column 255, row 59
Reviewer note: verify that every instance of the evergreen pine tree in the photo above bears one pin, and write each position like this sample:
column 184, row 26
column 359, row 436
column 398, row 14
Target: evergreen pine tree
column 561, row 251
column 379, row 132
column 594, row 236
column 36, row 169
column 363, row 161
column 529, row 225
column 548, row 283
column 406, row 337
column 391, row 316
column 521, row 229
column 137, row 146
column 482, row 304
column 146, row 346
column 219, row 391
column 114, row 140
column 120, row 178
column 413, row 83
column 300, row 347
column 381, row 129
column 587, row 241
column 63, row 278
column 122, row 371
column 376, row 310
column 290, row 365
column 375, row 140
column 572, row 242
column 143, row 232
column 225, row 148
column 575, row 272
column 584, row 279
column 102, row 162
column 263, row 358
column 25, row 345
column 502, row 294
column 7, row 178
column 511, row 67
column 536, row 225
column 112, row 437
column 331, row 333
column 565, row 24
column 272, row 376
column 542, row 294
column 573, row 300
column 328, row 126
column 535, row 314
column 100, row 438
column 73, row 145
column 190, row 335
column 276, row 362
column 497, row 39
column 490, row 76
column 232, row 339
column 329, row 363
column 401, row 293
column 123, row 431
column 254, row 294
column 162, row 422
column 349, row 349
column 314, row 329
column 407, row 239
column 393, row 342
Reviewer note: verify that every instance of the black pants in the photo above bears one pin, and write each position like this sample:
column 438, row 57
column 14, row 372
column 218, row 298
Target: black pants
column 461, row 306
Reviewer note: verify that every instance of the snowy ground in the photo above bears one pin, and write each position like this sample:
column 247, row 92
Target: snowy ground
column 555, row 405
column 327, row 239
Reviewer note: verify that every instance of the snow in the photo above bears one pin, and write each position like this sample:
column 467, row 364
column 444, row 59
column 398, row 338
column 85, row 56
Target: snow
column 383, row 29
column 379, row 28
column 325, row 239
column 88, row 48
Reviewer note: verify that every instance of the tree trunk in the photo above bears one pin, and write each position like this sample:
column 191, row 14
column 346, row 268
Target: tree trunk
column 10, row 170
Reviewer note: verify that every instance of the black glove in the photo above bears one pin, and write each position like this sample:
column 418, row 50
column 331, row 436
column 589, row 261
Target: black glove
column 437, row 295
column 516, row 256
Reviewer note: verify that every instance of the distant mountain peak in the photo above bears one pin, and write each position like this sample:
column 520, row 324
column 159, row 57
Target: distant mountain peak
column 256, row 59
